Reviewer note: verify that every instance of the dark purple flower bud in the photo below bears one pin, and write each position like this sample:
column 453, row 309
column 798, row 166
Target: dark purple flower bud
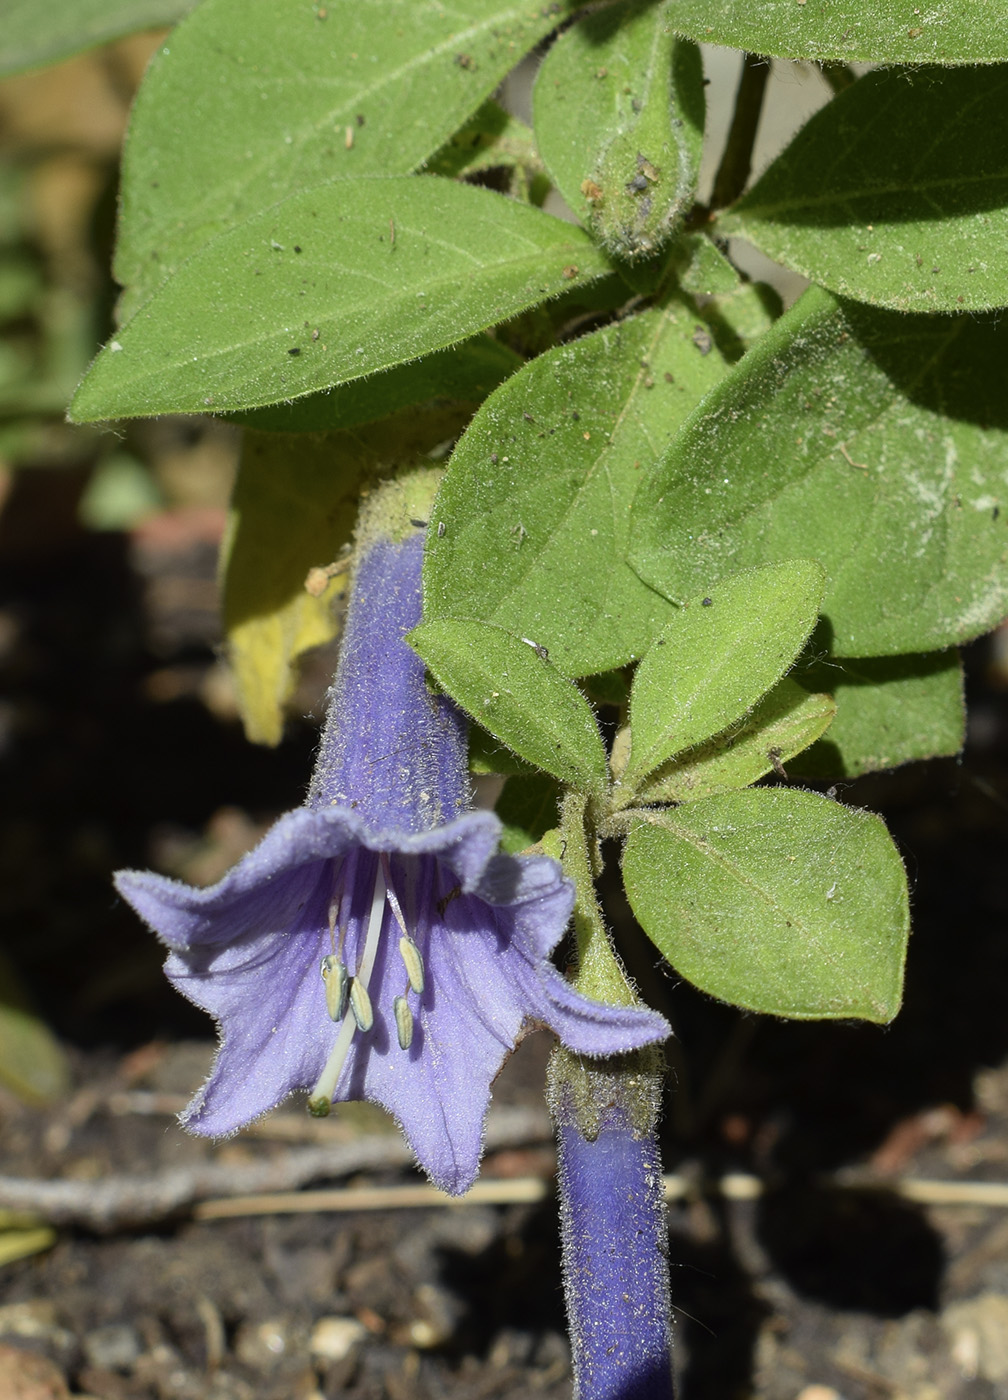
column 375, row 944
column 613, row 1226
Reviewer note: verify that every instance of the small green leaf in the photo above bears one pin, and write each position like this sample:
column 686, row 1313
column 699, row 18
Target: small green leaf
column 32, row 1062
column 716, row 657
column 531, row 523
column 511, row 689
column 528, row 808
column 775, row 900
column 704, row 270
column 881, row 438
column 316, row 291
column 253, row 100
column 488, row 758
column 619, row 117
column 909, row 224
column 294, row 505
column 890, row 710
column 491, row 139
column 34, row 34
column 782, row 724
column 886, row 31
column 21, row 1242
column 465, row 373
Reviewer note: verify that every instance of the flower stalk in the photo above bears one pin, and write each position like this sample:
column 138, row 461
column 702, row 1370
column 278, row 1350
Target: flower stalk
column 613, row 1228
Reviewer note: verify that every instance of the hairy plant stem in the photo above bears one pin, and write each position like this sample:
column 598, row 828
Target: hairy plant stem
column 612, row 1209
column 613, row 1225
column 736, row 160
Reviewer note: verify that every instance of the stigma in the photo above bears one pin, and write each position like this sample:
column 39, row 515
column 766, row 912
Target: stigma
column 347, row 996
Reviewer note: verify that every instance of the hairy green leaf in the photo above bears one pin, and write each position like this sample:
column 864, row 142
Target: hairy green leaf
column 33, row 34
column 465, row 373
column 716, row 657
column 885, row 31
column 530, row 526
column 253, row 100
column 329, row 286
column 782, row 724
column 890, row 710
column 861, row 204
column 510, row 687
column 877, row 440
column 619, row 117
column 775, row 900
column 528, row 808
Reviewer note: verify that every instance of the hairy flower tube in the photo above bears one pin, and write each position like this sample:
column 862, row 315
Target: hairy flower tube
column 375, row 944
column 613, row 1226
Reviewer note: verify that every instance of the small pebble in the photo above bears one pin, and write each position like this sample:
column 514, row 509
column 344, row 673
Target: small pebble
column 112, row 1348
column 334, row 1338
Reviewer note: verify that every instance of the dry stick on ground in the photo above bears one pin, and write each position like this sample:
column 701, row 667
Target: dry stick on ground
column 124, row 1202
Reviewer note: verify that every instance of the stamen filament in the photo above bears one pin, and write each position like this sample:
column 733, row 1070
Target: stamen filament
column 391, row 896
column 320, row 1101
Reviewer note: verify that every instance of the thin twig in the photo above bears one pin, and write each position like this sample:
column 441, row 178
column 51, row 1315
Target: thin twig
column 125, row 1202
column 736, row 160
column 733, row 1186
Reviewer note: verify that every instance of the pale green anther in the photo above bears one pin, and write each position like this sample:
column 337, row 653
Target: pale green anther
column 410, row 954
column 360, row 1005
column 404, row 1022
column 337, row 986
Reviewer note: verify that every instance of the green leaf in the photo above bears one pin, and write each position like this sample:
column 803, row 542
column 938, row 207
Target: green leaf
column 704, row 270
column 528, row 808
column 890, row 710
column 882, row 440
column 860, row 204
column 782, row 724
column 886, row 31
column 491, row 139
column 34, row 34
column 775, row 900
column 487, row 758
column 254, row 100
column 511, row 689
column 619, row 118
column 716, row 657
column 32, row 1062
column 316, row 291
column 531, row 522
column 464, row 373
column 21, row 1242
column 293, row 507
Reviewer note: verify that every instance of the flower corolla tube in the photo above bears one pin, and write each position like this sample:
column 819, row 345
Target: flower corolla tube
column 376, row 944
